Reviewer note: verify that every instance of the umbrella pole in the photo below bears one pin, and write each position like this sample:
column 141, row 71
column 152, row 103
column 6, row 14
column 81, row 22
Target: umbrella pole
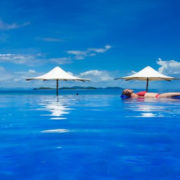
column 147, row 84
column 57, row 87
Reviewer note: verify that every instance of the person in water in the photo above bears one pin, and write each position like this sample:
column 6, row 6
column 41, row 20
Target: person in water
column 129, row 93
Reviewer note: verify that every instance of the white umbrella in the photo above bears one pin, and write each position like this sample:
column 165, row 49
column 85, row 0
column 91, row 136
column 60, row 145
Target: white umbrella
column 148, row 74
column 57, row 74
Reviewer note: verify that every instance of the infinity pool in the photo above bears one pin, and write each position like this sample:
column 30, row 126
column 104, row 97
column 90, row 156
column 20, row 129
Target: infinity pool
column 88, row 137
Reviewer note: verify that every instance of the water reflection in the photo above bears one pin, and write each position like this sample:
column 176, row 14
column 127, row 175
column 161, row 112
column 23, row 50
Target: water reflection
column 149, row 107
column 58, row 107
column 148, row 115
column 55, row 131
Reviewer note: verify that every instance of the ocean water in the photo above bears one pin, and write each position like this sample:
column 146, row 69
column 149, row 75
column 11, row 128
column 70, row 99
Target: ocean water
column 93, row 136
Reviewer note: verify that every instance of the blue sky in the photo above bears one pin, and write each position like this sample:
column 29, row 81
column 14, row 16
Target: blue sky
column 94, row 39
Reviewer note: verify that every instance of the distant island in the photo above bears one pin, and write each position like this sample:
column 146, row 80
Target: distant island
column 76, row 87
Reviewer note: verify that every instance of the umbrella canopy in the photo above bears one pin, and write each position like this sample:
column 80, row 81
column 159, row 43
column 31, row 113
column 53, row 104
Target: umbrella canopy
column 57, row 74
column 148, row 74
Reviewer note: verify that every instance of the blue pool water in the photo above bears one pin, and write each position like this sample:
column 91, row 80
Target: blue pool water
column 88, row 137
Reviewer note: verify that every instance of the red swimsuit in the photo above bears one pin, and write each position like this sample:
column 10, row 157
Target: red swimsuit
column 142, row 94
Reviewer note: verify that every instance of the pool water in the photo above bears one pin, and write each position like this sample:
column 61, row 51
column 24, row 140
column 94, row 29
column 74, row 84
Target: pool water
column 88, row 137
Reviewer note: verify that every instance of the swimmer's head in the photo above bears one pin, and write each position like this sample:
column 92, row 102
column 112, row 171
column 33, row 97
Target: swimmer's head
column 127, row 93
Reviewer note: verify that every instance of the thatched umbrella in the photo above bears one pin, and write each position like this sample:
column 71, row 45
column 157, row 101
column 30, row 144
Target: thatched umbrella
column 147, row 74
column 57, row 74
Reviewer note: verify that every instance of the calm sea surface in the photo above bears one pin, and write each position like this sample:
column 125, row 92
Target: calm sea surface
column 93, row 136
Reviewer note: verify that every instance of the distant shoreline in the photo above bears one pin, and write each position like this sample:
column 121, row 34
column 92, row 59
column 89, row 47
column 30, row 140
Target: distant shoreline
column 76, row 87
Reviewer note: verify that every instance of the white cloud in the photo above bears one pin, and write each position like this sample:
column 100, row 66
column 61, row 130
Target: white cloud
column 73, row 52
column 15, row 79
column 96, row 75
column 31, row 71
column 20, row 76
column 133, row 72
column 169, row 67
column 18, row 79
column 19, row 58
column 100, row 50
column 62, row 60
column 8, row 26
column 32, row 59
column 79, row 55
column 4, row 74
column 39, row 59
